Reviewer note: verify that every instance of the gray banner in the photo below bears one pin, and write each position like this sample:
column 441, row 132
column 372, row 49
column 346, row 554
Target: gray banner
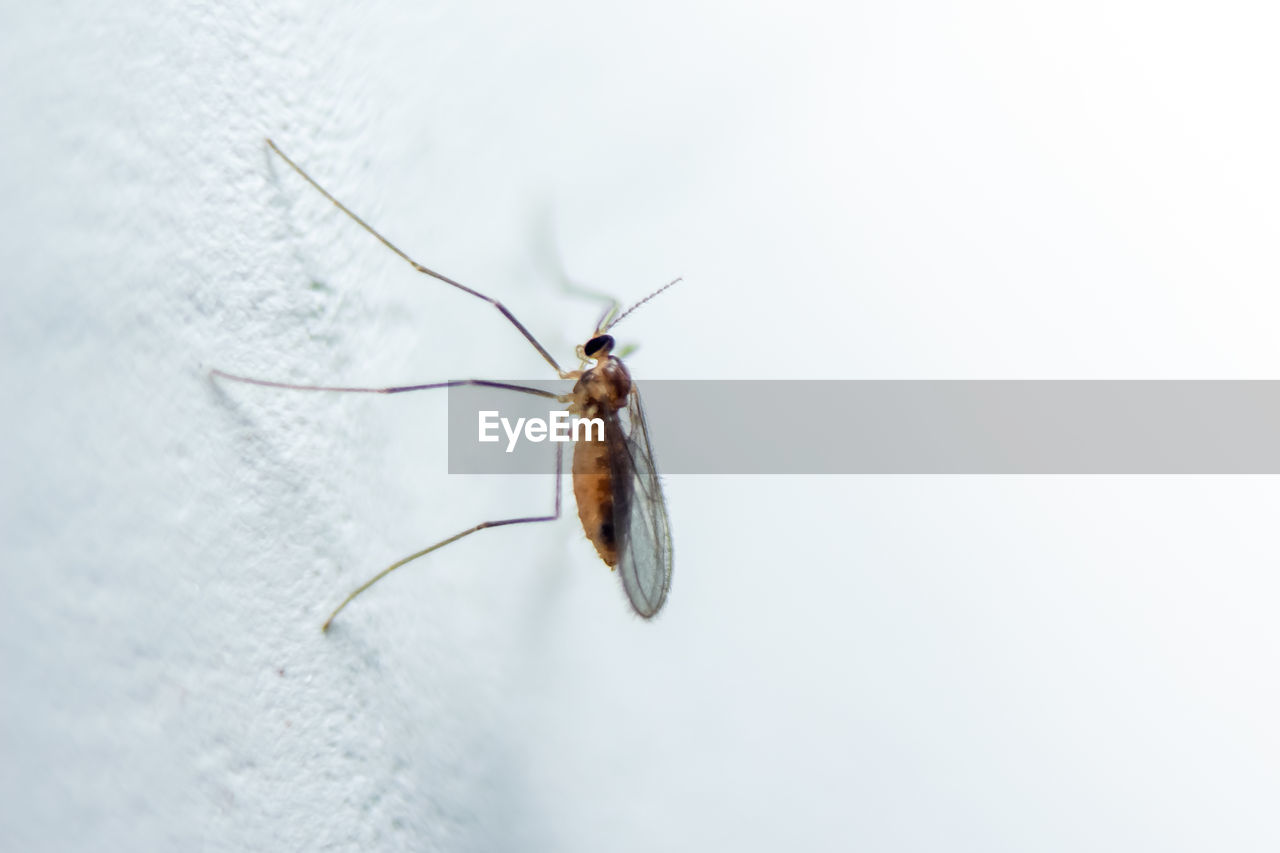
column 910, row 427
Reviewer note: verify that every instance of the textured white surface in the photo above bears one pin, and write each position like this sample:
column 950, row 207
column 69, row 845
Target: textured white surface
column 962, row 190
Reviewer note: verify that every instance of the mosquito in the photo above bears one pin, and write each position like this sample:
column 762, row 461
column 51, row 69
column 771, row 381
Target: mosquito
column 615, row 483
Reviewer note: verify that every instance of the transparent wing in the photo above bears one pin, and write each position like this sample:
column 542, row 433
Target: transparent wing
column 640, row 514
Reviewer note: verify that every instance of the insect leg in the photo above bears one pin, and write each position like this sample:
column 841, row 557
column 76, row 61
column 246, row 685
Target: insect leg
column 482, row 526
column 417, row 266
column 394, row 389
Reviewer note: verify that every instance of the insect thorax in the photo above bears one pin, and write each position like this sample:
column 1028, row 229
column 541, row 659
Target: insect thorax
column 603, row 389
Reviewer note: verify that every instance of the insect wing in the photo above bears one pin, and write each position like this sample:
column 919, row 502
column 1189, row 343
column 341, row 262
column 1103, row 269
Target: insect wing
column 640, row 514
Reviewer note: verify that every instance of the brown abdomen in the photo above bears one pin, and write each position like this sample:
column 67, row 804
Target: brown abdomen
column 593, row 489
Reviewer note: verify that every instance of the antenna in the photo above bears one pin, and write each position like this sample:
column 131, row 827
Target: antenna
column 616, row 320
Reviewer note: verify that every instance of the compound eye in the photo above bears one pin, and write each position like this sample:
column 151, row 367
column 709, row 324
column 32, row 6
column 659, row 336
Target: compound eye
column 597, row 344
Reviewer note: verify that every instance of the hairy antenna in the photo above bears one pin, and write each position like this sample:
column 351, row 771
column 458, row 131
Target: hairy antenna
column 616, row 320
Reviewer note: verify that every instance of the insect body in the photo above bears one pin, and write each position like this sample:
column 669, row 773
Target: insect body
column 615, row 484
column 600, row 393
column 619, row 498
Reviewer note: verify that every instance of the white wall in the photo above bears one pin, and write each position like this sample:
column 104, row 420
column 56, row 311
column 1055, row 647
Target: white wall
column 944, row 190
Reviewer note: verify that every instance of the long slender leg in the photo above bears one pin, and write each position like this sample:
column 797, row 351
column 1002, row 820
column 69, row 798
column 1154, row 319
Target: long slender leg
column 394, row 389
column 425, row 551
column 417, row 266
